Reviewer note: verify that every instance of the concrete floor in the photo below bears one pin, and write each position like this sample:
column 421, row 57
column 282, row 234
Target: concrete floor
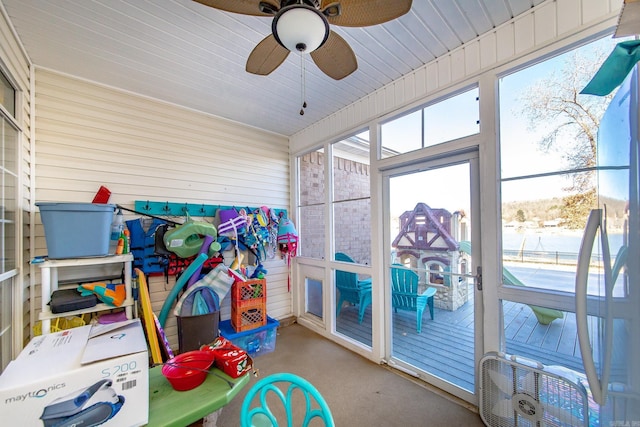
column 359, row 392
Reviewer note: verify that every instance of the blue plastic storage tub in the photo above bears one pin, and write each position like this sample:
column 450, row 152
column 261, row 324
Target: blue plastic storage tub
column 255, row 341
column 76, row 230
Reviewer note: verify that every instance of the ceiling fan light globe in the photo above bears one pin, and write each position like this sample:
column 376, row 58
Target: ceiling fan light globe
column 300, row 29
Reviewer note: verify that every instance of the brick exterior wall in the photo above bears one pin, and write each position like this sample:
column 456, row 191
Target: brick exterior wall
column 312, row 183
column 352, row 217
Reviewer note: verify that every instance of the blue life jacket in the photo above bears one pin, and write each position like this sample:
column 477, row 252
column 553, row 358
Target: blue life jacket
column 143, row 246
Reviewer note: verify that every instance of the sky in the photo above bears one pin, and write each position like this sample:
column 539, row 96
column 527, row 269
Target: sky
column 520, row 153
column 404, row 134
column 447, row 188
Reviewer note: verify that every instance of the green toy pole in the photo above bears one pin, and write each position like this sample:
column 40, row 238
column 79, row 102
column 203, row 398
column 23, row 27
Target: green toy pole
column 195, row 265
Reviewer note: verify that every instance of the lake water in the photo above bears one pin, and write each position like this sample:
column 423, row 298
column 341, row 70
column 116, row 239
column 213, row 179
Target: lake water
column 550, row 241
column 542, row 248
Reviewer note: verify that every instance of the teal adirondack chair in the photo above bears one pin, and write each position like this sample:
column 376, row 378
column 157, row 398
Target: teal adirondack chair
column 273, row 400
column 351, row 289
column 405, row 296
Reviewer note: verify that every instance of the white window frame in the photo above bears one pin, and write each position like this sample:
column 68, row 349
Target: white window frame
column 14, row 305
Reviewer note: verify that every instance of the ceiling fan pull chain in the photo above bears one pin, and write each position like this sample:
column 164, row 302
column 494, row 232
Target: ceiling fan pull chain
column 303, row 83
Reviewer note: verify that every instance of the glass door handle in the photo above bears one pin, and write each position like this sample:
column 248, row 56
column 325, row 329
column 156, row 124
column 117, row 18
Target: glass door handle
column 597, row 385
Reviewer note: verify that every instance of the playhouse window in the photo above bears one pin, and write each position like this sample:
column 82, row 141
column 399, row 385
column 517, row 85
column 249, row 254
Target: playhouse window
column 435, row 273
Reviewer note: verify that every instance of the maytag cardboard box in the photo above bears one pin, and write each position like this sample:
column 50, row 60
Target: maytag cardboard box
column 78, row 377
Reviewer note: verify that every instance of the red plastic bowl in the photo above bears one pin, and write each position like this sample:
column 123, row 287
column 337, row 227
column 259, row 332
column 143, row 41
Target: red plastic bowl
column 188, row 370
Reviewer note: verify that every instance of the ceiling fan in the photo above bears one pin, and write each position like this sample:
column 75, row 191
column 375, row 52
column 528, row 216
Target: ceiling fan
column 303, row 26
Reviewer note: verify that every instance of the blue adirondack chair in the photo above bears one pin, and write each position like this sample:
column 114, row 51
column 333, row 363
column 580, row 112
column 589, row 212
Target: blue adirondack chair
column 405, row 296
column 351, row 289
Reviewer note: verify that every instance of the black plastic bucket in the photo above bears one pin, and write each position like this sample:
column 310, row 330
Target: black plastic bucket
column 195, row 331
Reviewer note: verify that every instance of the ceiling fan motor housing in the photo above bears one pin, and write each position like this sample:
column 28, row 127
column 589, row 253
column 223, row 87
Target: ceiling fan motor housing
column 312, row 3
column 300, row 27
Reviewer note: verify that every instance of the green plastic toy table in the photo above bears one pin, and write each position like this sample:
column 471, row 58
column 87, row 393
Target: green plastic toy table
column 168, row 407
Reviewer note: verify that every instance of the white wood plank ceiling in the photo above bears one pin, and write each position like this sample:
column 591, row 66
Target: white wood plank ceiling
column 192, row 55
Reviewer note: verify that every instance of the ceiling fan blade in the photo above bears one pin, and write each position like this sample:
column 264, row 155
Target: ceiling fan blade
column 266, row 56
column 335, row 58
column 362, row 13
column 245, row 7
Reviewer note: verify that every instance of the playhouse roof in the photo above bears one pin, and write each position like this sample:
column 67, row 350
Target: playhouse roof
column 425, row 228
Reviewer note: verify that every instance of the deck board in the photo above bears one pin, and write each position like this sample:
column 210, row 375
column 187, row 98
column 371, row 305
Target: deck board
column 568, row 343
column 444, row 348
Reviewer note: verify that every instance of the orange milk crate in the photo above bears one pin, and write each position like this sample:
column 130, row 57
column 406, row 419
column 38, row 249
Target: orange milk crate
column 249, row 289
column 249, row 314
column 249, row 304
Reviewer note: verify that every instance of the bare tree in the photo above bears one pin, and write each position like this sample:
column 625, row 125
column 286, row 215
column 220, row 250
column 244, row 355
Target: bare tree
column 569, row 124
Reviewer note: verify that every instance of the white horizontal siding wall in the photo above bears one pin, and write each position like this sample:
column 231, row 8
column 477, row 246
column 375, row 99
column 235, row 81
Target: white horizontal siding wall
column 549, row 22
column 89, row 135
column 17, row 67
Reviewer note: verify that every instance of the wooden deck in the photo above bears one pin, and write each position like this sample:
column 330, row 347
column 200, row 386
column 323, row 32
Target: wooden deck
column 444, row 348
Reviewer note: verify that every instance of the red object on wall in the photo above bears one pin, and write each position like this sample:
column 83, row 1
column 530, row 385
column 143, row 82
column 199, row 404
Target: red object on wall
column 102, row 196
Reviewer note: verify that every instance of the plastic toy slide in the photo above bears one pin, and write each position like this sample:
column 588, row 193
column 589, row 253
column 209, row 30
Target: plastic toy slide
column 543, row 314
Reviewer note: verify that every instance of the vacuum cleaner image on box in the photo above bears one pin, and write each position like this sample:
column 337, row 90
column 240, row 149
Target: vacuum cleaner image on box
column 86, row 407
